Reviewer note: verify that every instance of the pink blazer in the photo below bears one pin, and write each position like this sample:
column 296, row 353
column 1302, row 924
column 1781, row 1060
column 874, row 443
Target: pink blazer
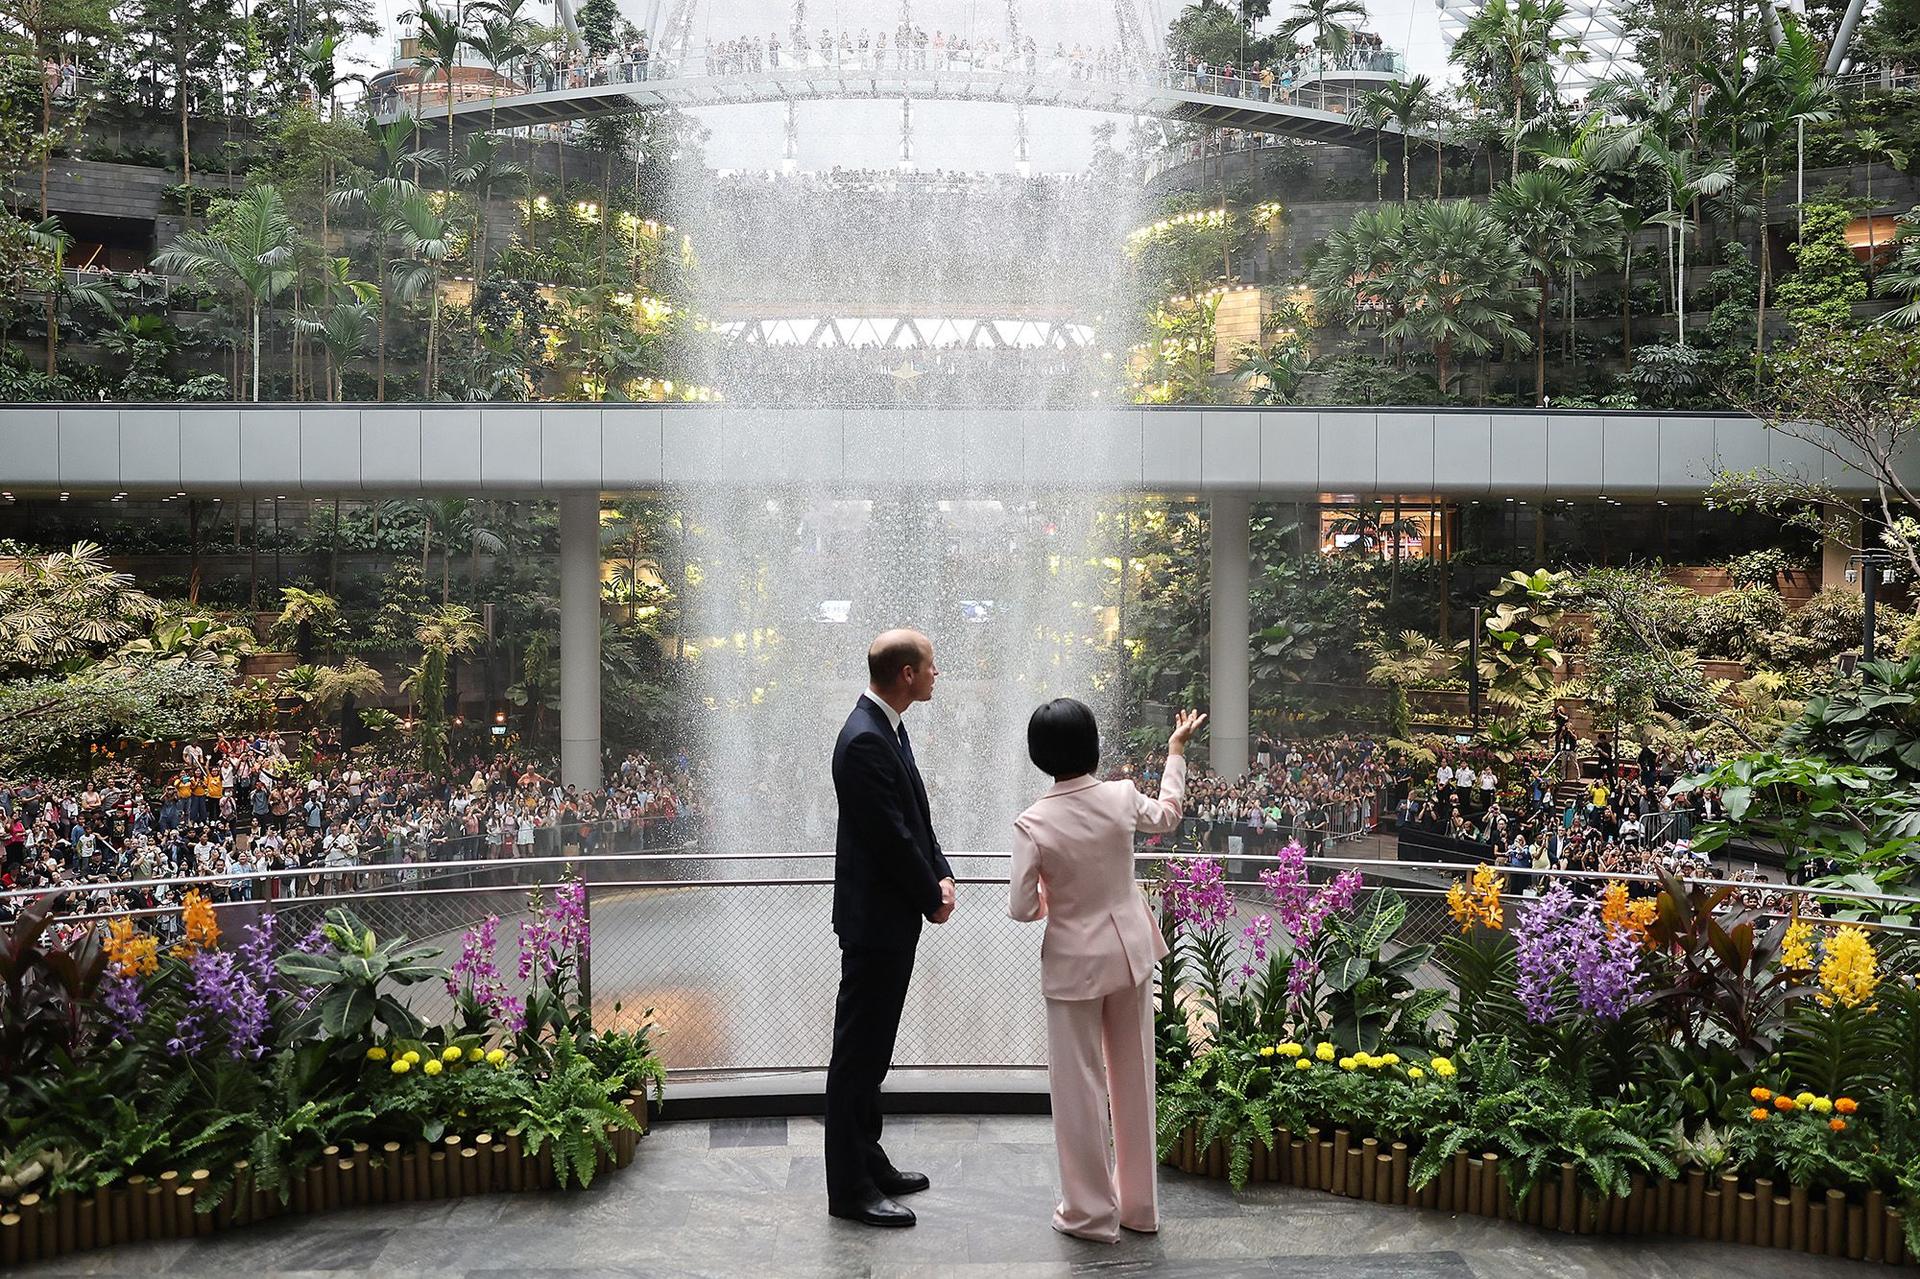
column 1073, row 867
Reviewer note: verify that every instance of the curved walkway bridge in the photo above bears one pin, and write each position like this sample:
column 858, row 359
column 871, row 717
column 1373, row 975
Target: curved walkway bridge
column 1322, row 111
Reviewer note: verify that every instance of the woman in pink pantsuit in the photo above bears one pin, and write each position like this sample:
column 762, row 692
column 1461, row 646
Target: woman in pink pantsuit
column 1073, row 867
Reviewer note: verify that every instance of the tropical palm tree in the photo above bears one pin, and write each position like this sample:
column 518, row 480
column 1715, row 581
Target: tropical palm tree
column 1564, row 232
column 1398, row 664
column 1522, row 42
column 51, row 243
column 378, row 194
column 1408, row 105
column 1799, row 70
column 1357, row 276
column 250, row 250
column 476, row 171
column 1872, row 147
column 1465, row 283
column 442, row 635
column 65, row 605
column 1275, row 372
column 1684, row 177
column 437, row 52
column 1332, row 22
column 427, row 240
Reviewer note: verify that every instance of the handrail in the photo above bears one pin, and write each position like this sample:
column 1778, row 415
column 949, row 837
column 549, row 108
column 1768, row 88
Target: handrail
column 443, row 869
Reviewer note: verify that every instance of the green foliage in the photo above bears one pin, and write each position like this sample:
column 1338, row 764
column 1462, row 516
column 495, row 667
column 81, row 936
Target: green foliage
column 1826, row 281
column 349, row 1000
column 569, row 1111
column 1370, row 999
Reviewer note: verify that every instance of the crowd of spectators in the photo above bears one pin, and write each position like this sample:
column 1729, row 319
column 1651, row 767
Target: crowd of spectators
column 1276, row 80
column 1314, row 791
column 244, row 806
column 1628, row 816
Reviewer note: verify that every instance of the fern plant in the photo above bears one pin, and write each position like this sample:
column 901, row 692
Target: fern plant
column 1224, row 1096
column 569, row 1111
column 1837, row 1049
column 1480, row 965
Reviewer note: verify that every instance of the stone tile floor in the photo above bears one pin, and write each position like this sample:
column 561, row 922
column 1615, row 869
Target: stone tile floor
column 747, row 1198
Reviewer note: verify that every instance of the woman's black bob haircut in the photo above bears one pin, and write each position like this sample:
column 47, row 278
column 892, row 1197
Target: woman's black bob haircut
column 1062, row 739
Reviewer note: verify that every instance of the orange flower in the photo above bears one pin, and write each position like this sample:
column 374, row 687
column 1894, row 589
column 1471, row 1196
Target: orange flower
column 202, row 929
column 1761, row 1094
column 1838, row 1125
column 1846, row 1105
column 1758, row 1115
column 131, row 954
column 1783, row 1103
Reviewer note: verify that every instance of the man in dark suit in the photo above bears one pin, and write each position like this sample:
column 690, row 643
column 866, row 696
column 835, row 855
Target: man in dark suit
column 888, row 874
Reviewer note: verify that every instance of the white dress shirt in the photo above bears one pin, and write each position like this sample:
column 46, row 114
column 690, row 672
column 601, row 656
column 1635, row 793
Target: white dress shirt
column 893, row 716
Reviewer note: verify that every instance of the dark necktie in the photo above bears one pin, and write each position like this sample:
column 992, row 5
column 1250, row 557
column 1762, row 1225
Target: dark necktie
column 906, row 746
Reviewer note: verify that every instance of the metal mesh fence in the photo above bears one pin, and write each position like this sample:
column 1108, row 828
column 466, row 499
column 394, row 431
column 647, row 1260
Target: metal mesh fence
column 735, row 957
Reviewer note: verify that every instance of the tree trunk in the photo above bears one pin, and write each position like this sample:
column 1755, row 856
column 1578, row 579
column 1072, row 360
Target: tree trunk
column 380, row 361
column 333, row 559
column 1540, row 343
column 253, row 558
column 253, row 317
column 1626, row 304
column 193, row 552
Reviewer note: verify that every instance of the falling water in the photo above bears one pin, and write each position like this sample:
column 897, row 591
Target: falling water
column 989, row 296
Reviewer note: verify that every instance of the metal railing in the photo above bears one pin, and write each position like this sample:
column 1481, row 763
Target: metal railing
column 740, row 967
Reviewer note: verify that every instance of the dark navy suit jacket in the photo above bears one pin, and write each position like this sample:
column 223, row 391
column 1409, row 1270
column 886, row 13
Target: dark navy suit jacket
column 887, row 863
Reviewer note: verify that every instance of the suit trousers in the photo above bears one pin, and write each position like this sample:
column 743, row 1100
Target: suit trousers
column 873, row 990
column 1100, row 1072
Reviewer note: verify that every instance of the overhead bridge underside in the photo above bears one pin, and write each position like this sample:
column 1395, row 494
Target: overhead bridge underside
column 1325, row 113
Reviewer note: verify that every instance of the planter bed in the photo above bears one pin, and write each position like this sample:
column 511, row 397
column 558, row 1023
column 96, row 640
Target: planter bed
column 174, row 1205
column 1727, row 1209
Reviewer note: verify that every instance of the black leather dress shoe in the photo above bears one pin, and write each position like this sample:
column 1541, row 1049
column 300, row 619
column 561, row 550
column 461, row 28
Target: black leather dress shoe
column 877, row 1211
column 902, row 1183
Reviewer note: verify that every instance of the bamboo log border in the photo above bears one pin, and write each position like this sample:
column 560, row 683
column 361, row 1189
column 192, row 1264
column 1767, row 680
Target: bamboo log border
column 1723, row 1207
column 182, row 1203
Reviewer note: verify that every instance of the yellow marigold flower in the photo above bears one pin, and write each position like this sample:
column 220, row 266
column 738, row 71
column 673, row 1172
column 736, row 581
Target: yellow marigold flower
column 1303, row 1064
column 1324, row 1051
column 433, row 1066
column 1758, row 1115
column 1348, row 1063
column 131, row 954
column 1822, row 1105
column 1850, row 972
column 1796, row 948
column 498, row 1056
column 1391, row 1059
column 412, row 1056
column 1290, row 1049
column 376, row 1053
column 474, row 1054
column 1444, row 1068
column 1803, row 1099
column 401, row 1066
column 1266, row 1050
column 1414, row 1072
column 1761, row 1094
column 1478, row 903
column 451, row 1054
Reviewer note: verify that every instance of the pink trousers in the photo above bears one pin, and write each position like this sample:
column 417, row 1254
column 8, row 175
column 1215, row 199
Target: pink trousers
column 1101, row 1050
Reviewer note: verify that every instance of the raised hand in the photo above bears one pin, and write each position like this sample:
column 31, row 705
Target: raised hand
column 1185, row 725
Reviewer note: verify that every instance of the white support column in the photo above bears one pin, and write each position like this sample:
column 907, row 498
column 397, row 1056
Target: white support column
column 1230, row 643
column 580, row 641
